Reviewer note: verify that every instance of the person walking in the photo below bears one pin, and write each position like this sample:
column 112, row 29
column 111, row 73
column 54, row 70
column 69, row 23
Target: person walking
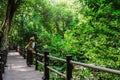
column 30, row 51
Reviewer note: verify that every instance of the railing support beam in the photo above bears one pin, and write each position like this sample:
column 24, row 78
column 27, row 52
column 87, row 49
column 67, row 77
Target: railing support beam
column 1, row 64
column 69, row 67
column 36, row 60
column 46, row 63
column 1, row 78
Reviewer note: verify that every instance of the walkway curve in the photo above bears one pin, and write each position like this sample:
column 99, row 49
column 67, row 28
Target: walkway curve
column 18, row 70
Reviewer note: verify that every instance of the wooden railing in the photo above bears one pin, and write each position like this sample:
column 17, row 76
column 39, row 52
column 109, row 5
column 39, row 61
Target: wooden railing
column 22, row 52
column 69, row 66
column 3, row 60
column 1, row 66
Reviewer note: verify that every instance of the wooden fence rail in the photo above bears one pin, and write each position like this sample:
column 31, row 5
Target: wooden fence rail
column 1, row 66
column 69, row 66
column 3, row 60
column 97, row 68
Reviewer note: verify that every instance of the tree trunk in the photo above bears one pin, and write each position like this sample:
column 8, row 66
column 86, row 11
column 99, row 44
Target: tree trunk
column 11, row 8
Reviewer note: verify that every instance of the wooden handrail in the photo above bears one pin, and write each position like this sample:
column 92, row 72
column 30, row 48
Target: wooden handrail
column 82, row 64
column 1, row 78
column 40, row 63
column 40, row 54
column 57, row 58
column 55, row 71
column 3, row 59
column 97, row 67
column 69, row 68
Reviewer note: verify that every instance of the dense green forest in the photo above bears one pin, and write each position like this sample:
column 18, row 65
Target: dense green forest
column 87, row 29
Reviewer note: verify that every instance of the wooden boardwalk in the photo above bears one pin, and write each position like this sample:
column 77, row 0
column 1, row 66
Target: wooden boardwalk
column 18, row 70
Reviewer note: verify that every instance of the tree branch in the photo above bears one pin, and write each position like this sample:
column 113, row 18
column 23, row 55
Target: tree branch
column 11, row 8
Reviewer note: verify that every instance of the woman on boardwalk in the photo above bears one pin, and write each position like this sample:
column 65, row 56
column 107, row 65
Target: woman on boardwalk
column 30, row 51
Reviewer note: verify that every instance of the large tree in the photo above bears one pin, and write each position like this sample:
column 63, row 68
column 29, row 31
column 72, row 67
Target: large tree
column 12, row 6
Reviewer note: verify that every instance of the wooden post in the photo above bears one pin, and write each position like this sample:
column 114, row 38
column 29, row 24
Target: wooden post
column 46, row 63
column 24, row 53
column 4, row 59
column 69, row 67
column 1, row 78
column 36, row 61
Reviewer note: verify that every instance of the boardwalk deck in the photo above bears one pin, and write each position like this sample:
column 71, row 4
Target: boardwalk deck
column 18, row 70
